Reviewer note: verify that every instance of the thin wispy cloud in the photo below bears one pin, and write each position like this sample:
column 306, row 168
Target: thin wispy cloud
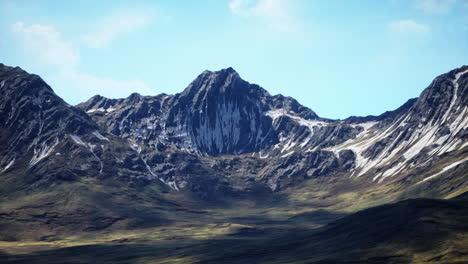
column 408, row 26
column 45, row 45
column 117, row 24
column 88, row 85
column 241, row 7
column 276, row 14
column 434, row 6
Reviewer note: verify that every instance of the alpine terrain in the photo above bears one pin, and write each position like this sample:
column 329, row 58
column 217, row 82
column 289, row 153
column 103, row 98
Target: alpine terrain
column 224, row 172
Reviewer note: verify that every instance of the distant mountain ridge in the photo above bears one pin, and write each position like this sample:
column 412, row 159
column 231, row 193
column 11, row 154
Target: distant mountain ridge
column 44, row 136
column 223, row 135
column 221, row 114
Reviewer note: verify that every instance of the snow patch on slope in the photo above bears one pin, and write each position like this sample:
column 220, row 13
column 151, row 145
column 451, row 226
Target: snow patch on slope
column 277, row 113
column 89, row 147
column 453, row 165
column 455, row 94
column 78, row 140
column 105, row 110
column 99, row 136
column 8, row 166
column 42, row 152
column 172, row 184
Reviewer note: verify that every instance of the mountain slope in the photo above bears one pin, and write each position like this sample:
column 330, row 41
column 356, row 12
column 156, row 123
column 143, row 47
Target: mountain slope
column 219, row 114
column 58, row 170
column 41, row 131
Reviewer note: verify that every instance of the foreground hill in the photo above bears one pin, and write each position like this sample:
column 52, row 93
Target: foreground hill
column 410, row 231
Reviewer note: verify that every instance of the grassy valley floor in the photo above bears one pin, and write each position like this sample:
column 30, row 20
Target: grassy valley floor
column 410, row 231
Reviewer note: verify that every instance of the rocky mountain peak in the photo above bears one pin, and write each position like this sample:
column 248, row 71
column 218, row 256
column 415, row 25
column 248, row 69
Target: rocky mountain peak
column 219, row 114
column 134, row 97
column 223, row 72
column 214, row 83
column 16, row 80
column 4, row 69
column 445, row 97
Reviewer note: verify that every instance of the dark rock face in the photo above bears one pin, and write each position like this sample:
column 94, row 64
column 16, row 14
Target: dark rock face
column 44, row 139
column 34, row 114
column 222, row 135
column 219, row 114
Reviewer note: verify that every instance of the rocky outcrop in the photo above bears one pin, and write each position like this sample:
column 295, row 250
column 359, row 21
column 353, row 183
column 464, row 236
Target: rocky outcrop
column 44, row 140
column 223, row 135
column 218, row 113
column 221, row 114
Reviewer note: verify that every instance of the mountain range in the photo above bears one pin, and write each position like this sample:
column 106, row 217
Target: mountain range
column 226, row 152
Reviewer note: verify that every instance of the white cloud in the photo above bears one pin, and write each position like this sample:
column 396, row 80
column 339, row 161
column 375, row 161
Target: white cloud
column 240, row 7
column 61, row 60
column 434, row 6
column 117, row 24
column 408, row 26
column 277, row 14
column 84, row 85
column 45, row 42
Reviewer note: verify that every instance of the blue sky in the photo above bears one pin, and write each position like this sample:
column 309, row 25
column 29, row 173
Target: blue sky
column 338, row 57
